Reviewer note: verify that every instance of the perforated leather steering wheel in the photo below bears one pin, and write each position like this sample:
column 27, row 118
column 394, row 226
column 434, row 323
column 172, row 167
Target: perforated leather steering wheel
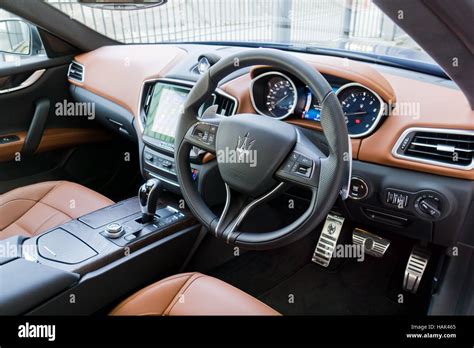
column 275, row 144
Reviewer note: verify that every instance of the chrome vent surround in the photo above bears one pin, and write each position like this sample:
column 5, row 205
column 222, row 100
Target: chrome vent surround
column 225, row 106
column 76, row 72
column 442, row 147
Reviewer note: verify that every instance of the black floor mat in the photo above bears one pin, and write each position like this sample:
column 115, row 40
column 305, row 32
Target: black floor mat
column 286, row 280
column 355, row 289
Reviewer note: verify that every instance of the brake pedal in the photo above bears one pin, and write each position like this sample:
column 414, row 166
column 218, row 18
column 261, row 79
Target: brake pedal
column 371, row 243
column 328, row 240
column 415, row 269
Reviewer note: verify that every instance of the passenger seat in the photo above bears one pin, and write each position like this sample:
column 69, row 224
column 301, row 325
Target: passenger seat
column 33, row 209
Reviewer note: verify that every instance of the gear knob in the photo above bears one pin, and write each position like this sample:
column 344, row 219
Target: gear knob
column 148, row 196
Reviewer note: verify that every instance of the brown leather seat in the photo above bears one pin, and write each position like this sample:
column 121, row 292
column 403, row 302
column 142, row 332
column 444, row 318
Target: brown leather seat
column 33, row 209
column 192, row 294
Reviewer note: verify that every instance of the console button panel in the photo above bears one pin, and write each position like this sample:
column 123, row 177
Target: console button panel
column 396, row 198
column 159, row 161
column 205, row 133
column 427, row 204
column 134, row 229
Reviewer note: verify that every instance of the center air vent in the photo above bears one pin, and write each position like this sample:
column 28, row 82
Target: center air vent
column 76, row 72
column 225, row 106
column 444, row 147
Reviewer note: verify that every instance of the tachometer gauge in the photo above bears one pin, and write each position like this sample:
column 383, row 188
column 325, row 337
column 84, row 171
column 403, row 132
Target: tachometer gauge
column 280, row 97
column 362, row 109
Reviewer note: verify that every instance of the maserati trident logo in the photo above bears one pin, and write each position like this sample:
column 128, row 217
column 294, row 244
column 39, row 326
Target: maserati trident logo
column 242, row 153
column 244, row 145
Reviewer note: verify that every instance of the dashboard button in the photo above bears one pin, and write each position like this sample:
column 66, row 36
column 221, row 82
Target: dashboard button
column 294, row 156
column 358, row 188
column 396, row 198
column 149, row 157
column 289, row 165
column 305, row 160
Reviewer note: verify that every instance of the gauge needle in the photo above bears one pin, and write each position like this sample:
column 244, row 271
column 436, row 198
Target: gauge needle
column 356, row 113
column 278, row 102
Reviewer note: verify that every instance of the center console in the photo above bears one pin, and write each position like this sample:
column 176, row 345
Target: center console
column 106, row 253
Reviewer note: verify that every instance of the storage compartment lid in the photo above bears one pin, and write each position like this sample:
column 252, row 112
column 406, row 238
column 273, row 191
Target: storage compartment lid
column 61, row 246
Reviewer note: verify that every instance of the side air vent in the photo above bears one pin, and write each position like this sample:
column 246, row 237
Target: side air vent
column 443, row 147
column 76, row 72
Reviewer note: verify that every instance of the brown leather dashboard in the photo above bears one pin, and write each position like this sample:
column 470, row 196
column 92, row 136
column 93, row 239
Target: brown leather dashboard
column 118, row 72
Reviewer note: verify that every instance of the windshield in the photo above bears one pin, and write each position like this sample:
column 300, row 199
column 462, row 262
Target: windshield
column 350, row 25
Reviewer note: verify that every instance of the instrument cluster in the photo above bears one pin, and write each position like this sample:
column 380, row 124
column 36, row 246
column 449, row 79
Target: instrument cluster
column 277, row 95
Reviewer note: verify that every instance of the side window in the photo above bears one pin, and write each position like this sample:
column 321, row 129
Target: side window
column 19, row 39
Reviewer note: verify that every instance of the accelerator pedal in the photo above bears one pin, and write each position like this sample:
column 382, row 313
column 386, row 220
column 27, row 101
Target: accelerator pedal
column 415, row 269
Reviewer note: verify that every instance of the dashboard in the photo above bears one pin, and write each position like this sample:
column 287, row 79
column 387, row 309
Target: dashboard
column 281, row 96
column 402, row 181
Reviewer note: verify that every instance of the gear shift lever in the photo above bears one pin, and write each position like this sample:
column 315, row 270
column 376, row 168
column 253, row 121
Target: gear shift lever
column 148, row 196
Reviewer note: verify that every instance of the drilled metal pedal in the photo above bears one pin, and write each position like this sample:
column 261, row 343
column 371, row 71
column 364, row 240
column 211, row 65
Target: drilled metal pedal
column 415, row 269
column 371, row 243
column 328, row 240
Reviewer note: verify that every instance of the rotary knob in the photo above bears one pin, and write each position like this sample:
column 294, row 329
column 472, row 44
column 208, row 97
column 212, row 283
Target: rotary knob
column 114, row 230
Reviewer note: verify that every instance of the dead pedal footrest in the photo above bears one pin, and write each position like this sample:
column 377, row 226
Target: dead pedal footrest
column 328, row 240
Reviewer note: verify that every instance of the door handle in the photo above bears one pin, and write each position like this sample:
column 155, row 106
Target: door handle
column 28, row 82
column 37, row 126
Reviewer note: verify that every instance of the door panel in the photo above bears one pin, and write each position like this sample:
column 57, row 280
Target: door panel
column 17, row 110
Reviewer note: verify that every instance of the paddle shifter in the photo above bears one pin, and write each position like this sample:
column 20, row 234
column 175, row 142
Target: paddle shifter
column 148, row 196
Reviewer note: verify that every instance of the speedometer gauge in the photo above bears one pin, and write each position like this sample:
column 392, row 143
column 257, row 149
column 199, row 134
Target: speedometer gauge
column 280, row 96
column 362, row 109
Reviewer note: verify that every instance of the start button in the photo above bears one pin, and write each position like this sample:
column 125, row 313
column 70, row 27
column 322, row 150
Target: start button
column 358, row 188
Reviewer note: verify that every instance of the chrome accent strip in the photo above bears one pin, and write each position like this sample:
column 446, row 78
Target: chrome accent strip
column 83, row 72
column 27, row 83
column 379, row 115
column 249, row 207
column 292, row 109
column 226, row 207
column 345, row 191
column 156, row 176
column 427, row 161
column 184, row 84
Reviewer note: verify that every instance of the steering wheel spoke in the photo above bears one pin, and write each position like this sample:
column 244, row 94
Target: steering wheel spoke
column 302, row 165
column 237, row 207
column 203, row 135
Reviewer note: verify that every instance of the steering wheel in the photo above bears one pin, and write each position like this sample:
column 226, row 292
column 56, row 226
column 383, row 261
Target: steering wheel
column 260, row 157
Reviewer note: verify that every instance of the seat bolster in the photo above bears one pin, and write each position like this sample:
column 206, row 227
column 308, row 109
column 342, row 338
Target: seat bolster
column 33, row 209
column 11, row 211
column 16, row 203
column 204, row 295
column 155, row 298
column 192, row 294
column 74, row 200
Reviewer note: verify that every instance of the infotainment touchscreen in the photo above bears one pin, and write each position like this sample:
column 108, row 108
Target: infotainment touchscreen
column 163, row 114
